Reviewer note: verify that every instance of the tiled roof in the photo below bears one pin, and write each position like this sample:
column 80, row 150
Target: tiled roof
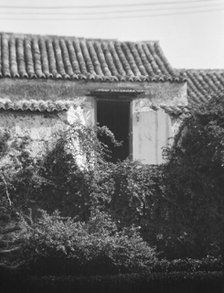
column 36, row 105
column 62, row 105
column 202, row 84
column 36, row 56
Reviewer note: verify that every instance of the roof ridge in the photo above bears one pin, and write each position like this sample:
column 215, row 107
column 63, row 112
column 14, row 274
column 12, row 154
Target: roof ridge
column 199, row 69
column 45, row 36
column 29, row 35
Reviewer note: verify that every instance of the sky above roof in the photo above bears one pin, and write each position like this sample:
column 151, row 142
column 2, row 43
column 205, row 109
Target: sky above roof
column 191, row 33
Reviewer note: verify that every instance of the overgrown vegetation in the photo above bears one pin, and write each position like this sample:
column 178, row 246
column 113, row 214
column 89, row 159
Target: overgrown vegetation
column 177, row 207
column 55, row 245
column 195, row 180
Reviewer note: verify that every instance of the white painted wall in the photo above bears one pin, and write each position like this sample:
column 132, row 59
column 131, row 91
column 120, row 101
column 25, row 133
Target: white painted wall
column 150, row 130
column 44, row 128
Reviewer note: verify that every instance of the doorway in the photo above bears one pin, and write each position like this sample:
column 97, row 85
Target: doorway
column 116, row 116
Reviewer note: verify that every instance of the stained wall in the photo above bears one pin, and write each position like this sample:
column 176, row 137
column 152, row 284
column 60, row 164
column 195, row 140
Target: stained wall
column 150, row 130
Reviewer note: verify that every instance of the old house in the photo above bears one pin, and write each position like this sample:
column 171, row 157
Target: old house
column 48, row 82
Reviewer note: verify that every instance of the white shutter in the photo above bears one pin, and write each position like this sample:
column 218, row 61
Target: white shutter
column 151, row 130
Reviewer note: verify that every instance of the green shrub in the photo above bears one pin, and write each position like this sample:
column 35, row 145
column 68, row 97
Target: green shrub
column 20, row 178
column 69, row 187
column 136, row 196
column 136, row 191
column 57, row 245
column 54, row 181
column 194, row 180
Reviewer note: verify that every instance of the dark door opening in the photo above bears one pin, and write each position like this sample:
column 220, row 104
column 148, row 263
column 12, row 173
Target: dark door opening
column 115, row 115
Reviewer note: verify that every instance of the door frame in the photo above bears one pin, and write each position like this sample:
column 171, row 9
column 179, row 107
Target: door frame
column 120, row 98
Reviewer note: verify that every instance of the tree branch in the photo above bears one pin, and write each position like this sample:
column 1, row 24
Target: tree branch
column 6, row 251
column 6, row 189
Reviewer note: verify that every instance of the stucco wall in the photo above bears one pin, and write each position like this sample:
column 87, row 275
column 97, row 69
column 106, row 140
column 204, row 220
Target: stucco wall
column 40, row 128
column 43, row 127
column 16, row 89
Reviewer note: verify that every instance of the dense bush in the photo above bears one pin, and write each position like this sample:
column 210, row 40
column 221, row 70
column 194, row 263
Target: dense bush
column 72, row 170
column 57, row 180
column 137, row 196
column 20, row 179
column 55, row 245
column 195, row 181
column 136, row 191
column 132, row 193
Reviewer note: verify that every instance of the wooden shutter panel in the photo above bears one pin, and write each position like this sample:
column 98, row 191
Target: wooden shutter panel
column 151, row 130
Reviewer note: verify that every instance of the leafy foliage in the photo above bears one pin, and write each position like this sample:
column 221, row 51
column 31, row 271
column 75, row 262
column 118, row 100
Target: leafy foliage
column 73, row 170
column 195, row 181
column 58, row 245
column 178, row 206
column 137, row 197
column 19, row 173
